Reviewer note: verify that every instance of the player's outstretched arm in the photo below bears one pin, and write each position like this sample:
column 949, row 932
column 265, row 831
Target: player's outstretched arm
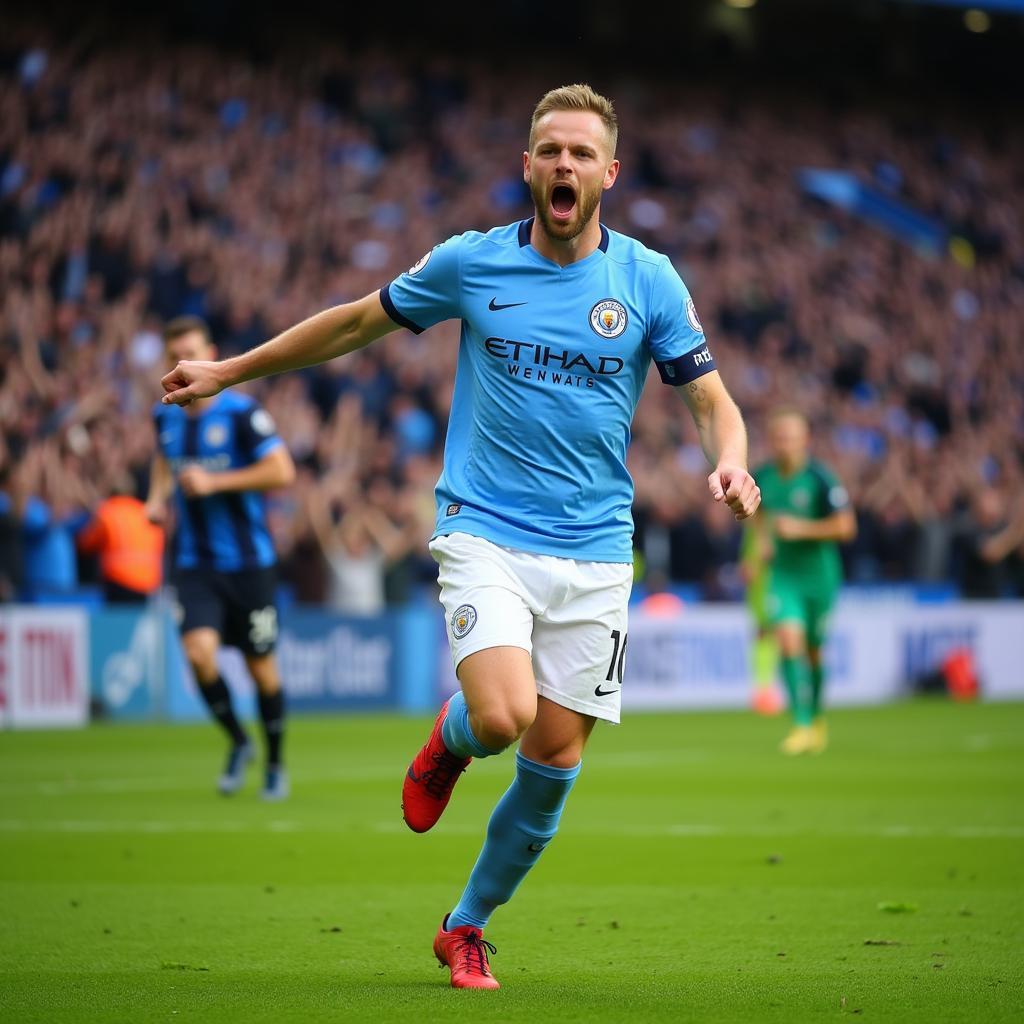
column 724, row 440
column 840, row 527
column 161, row 483
column 334, row 332
column 274, row 470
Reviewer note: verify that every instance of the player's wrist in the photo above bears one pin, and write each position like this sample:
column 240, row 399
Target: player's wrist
column 227, row 372
column 215, row 483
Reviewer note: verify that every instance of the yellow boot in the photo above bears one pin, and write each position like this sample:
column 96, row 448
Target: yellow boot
column 798, row 741
column 819, row 736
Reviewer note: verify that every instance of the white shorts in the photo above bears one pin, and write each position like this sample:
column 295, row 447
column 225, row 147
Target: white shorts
column 569, row 616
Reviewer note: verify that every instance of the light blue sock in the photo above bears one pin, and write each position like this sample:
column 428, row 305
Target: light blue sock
column 523, row 823
column 456, row 732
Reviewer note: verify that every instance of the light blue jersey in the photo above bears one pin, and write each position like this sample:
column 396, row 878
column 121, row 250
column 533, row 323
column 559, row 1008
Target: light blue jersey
column 552, row 362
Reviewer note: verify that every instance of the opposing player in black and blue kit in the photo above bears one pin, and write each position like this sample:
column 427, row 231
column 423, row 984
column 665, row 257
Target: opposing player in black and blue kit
column 216, row 458
column 561, row 319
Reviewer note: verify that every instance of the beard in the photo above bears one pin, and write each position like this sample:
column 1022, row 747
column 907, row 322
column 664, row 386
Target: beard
column 586, row 204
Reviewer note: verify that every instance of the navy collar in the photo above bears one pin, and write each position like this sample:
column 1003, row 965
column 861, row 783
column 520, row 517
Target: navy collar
column 526, row 226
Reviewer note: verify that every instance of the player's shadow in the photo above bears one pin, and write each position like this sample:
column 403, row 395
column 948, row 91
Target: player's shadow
column 419, row 987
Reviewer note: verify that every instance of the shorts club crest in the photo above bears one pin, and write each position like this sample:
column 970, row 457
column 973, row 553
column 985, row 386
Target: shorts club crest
column 463, row 620
column 570, row 616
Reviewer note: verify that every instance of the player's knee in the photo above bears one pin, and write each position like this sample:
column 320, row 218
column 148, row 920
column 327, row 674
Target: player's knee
column 497, row 730
column 206, row 671
column 500, row 727
column 263, row 670
column 791, row 642
column 202, row 656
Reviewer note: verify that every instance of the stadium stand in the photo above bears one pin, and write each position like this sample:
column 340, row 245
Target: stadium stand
column 134, row 188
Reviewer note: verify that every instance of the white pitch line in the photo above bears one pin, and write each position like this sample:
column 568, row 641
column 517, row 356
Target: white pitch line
column 149, row 827
column 69, row 787
column 689, row 830
column 357, row 773
column 696, row 830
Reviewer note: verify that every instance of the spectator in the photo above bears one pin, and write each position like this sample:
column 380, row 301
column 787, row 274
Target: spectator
column 54, row 513
column 260, row 192
column 129, row 546
column 12, row 511
column 359, row 547
column 987, row 540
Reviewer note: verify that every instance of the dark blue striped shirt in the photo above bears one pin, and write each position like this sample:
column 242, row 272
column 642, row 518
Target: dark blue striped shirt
column 228, row 531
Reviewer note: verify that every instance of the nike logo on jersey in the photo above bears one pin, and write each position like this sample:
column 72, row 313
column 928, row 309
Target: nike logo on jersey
column 598, row 692
column 495, row 306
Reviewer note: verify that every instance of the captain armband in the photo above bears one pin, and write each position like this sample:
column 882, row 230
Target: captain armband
column 687, row 367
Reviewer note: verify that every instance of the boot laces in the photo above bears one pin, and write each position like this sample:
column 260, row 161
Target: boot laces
column 471, row 953
column 438, row 781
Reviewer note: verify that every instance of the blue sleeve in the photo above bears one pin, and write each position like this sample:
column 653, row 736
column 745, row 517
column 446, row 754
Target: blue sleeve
column 255, row 433
column 36, row 518
column 675, row 336
column 429, row 291
column 158, row 426
column 77, row 520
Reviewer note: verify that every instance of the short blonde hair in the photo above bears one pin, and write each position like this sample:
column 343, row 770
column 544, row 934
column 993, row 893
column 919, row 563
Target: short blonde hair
column 785, row 412
column 577, row 97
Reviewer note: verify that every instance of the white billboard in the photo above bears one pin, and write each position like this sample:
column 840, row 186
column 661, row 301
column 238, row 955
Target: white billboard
column 699, row 656
column 44, row 667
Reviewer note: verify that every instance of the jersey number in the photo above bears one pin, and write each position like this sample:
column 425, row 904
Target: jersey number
column 263, row 626
column 618, row 656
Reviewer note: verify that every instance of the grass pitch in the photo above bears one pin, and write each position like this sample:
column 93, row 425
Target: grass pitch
column 698, row 876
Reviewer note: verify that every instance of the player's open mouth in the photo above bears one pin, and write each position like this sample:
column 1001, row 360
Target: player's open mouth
column 563, row 202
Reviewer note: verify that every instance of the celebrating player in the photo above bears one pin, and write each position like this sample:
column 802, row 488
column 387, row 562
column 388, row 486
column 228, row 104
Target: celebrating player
column 222, row 453
column 807, row 513
column 560, row 321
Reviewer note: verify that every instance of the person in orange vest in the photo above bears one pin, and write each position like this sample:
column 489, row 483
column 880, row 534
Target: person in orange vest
column 129, row 546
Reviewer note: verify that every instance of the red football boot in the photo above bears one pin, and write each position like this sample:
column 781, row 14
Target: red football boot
column 430, row 779
column 464, row 951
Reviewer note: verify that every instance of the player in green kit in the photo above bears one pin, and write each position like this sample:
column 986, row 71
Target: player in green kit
column 806, row 514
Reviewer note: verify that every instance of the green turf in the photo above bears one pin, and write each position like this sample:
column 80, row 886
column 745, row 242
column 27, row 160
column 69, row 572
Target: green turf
column 698, row 876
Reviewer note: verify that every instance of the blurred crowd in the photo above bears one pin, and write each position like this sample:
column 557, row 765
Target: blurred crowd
column 138, row 185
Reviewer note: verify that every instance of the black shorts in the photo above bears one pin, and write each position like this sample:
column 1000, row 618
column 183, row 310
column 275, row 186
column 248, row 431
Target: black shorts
column 238, row 605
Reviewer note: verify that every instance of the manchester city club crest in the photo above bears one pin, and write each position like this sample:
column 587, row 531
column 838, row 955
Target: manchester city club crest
column 463, row 620
column 608, row 318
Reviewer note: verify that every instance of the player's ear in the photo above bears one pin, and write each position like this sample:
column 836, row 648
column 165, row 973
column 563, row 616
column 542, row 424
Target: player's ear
column 611, row 174
column 526, row 167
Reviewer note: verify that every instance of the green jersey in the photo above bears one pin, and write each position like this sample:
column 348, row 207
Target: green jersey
column 812, row 492
column 756, row 571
